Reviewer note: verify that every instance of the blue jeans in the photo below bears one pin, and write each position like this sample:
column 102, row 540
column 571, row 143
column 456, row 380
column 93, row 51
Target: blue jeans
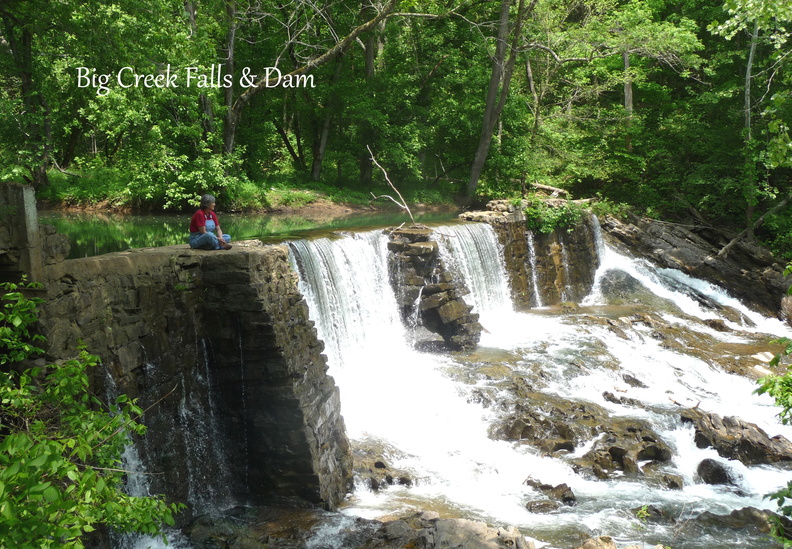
column 206, row 241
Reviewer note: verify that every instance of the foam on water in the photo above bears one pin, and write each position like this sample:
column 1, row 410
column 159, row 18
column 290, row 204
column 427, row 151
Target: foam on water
column 392, row 393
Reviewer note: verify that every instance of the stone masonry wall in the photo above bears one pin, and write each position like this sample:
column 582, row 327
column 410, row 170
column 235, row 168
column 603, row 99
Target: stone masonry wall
column 427, row 290
column 220, row 344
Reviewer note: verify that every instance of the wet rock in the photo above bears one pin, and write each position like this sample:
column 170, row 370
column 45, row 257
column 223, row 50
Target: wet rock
column 600, row 542
column 556, row 425
column 372, row 467
column 749, row 519
column 428, row 531
column 748, row 272
column 717, row 324
column 561, row 492
column 715, row 472
column 563, row 263
column 734, row 438
column 277, row 527
column 428, row 294
column 632, row 381
column 542, row 507
column 651, row 513
column 610, row 397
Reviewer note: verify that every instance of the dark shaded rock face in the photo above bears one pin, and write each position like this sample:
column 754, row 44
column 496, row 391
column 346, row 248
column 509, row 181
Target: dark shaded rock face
column 222, row 343
column 561, row 263
column 748, row 272
column 25, row 246
column 734, row 438
column 714, row 472
column 427, row 290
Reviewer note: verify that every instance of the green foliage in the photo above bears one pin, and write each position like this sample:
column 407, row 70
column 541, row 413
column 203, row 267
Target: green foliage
column 604, row 206
column 543, row 217
column 417, row 100
column 779, row 387
column 60, row 475
column 17, row 315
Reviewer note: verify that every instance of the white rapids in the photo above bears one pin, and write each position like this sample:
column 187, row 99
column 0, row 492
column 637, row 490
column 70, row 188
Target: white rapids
column 424, row 405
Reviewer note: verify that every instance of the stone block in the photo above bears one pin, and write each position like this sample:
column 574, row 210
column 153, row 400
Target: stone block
column 435, row 300
column 453, row 310
column 421, row 248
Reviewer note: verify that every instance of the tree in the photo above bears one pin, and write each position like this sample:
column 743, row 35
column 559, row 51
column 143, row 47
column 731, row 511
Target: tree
column 762, row 19
column 60, row 447
column 500, row 79
column 235, row 106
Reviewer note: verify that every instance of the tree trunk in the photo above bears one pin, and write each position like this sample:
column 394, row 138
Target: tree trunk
column 320, row 145
column 205, row 106
column 368, row 133
column 498, row 90
column 751, row 183
column 748, row 77
column 37, row 117
column 232, row 115
column 535, row 100
column 628, row 98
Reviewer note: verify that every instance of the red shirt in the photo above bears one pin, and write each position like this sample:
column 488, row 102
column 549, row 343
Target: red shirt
column 199, row 219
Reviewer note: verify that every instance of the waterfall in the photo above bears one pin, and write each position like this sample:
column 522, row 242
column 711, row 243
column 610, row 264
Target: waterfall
column 537, row 294
column 436, row 411
column 567, row 291
column 472, row 251
column 599, row 242
column 350, row 298
column 137, row 485
column 347, row 286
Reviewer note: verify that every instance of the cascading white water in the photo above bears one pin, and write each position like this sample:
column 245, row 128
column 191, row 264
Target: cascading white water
column 537, row 296
column 422, row 405
column 567, row 291
column 472, row 251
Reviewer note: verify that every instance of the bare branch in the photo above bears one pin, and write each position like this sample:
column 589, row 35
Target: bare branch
column 403, row 203
column 725, row 250
column 595, row 54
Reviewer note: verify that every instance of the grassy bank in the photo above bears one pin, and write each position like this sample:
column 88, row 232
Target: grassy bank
column 112, row 189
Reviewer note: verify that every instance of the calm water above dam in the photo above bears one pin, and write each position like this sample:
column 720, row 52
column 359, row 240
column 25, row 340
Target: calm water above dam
column 96, row 233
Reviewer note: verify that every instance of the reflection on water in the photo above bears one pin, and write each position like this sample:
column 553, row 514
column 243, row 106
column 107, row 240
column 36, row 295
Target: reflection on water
column 95, row 233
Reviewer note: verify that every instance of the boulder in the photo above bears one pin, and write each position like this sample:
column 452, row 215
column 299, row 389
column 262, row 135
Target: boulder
column 431, row 298
column 556, row 425
column 427, row 530
column 600, row 542
column 715, row 472
column 747, row 519
column 734, row 438
column 749, row 272
column 371, row 462
column 561, row 492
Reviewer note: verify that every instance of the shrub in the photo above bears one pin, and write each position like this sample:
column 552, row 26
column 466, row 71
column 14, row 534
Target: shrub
column 60, row 451
column 544, row 217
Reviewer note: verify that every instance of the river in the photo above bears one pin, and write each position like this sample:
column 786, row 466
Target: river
column 638, row 350
column 432, row 414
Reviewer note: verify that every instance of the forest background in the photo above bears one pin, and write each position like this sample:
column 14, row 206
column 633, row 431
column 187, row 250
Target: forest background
column 678, row 108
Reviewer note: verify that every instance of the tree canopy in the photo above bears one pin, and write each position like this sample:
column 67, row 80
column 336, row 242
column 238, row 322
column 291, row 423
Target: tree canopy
column 676, row 107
